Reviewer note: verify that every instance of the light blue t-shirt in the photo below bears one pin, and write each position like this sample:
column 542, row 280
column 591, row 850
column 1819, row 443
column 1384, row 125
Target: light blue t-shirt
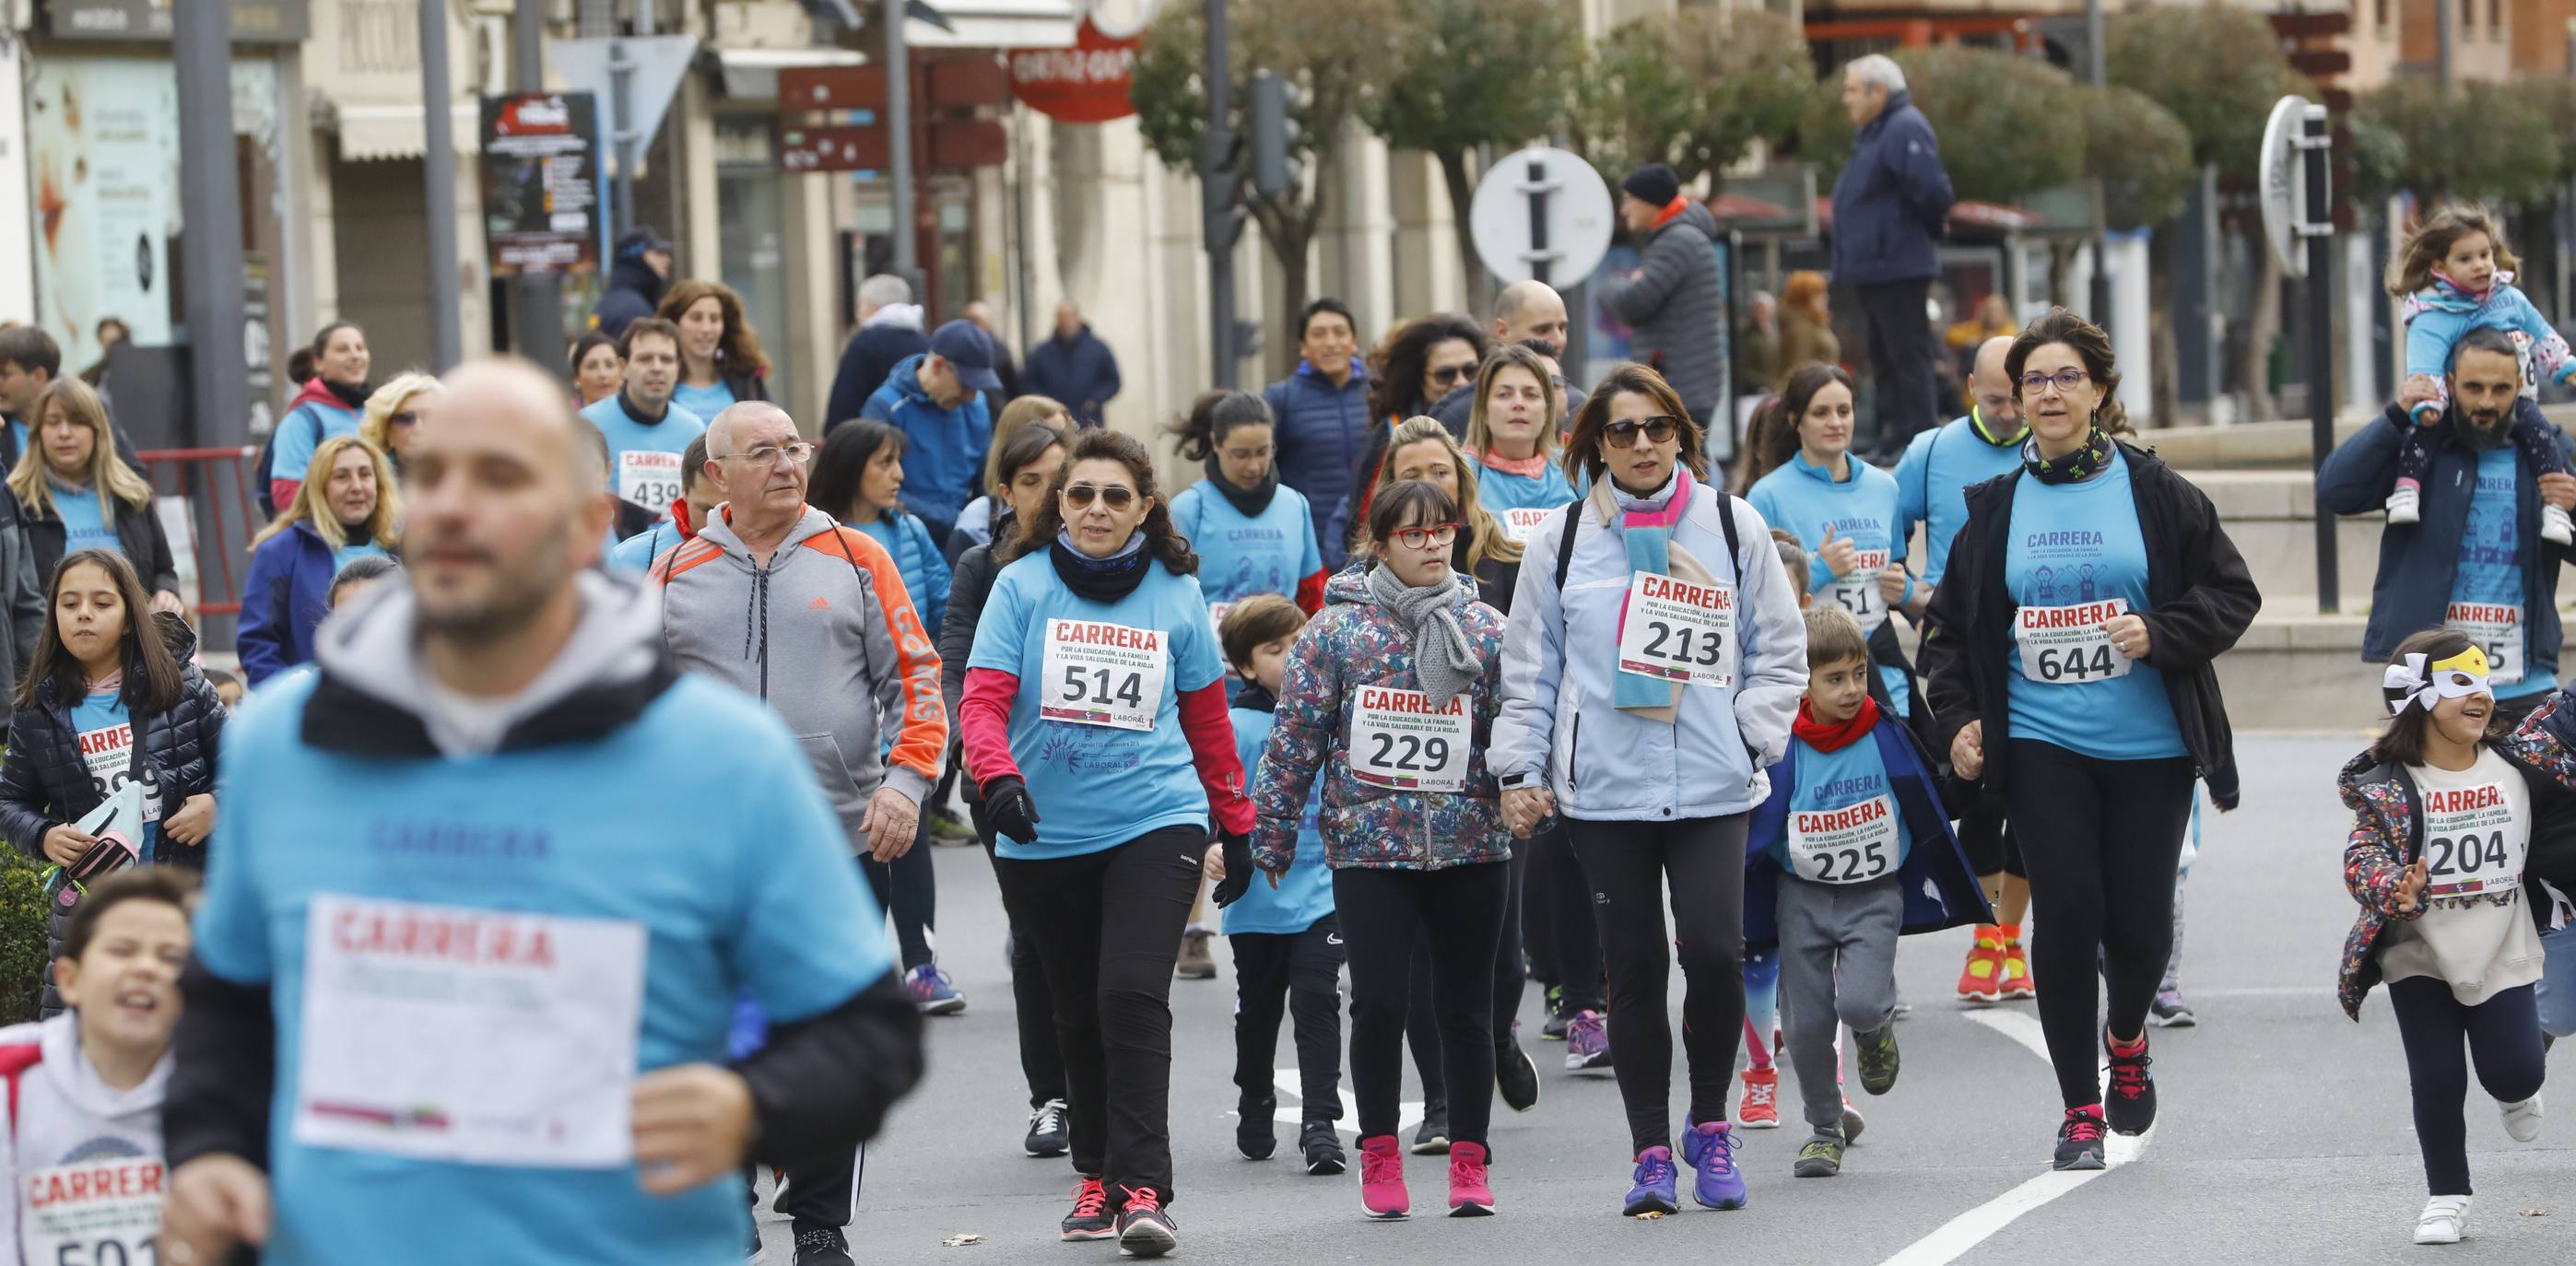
column 1305, row 893
column 636, row 553
column 1932, row 482
column 2490, row 567
column 701, row 402
column 107, row 747
column 730, row 860
column 2073, row 545
column 653, row 485
column 1500, row 491
column 1805, row 499
column 296, row 438
column 1240, row 557
column 1099, row 786
column 1849, row 776
column 83, row 526
column 354, row 550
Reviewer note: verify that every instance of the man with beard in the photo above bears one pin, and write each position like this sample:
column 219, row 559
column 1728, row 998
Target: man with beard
column 2476, row 562
column 490, row 882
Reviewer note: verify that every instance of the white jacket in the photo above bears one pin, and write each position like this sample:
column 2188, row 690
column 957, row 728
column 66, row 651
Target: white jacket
column 84, row 1159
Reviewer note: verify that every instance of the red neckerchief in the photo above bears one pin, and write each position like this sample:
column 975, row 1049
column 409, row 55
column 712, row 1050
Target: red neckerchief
column 680, row 516
column 1679, row 204
column 1832, row 738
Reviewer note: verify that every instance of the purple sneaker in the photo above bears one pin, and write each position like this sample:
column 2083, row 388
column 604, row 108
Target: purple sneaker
column 1719, row 1185
column 1587, row 1042
column 1652, row 1195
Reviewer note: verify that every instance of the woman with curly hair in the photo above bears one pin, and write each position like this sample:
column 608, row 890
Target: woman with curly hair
column 1418, row 365
column 720, row 357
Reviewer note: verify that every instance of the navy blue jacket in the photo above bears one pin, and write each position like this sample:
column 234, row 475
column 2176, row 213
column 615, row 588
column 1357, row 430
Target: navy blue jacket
column 634, row 291
column 1941, row 889
column 866, row 363
column 1080, row 373
column 2418, row 561
column 1892, row 201
column 283, row 601
column 1321, row 433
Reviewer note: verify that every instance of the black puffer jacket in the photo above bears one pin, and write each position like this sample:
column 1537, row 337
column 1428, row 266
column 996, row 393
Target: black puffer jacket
column 44, row 782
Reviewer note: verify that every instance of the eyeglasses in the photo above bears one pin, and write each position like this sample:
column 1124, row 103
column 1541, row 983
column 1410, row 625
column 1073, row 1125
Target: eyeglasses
column 2065, row 380
column 404, row 418
column 1425, row 537
column 1448, row 375
column 1115, row 496
column 799, row 452
column 1657, row 430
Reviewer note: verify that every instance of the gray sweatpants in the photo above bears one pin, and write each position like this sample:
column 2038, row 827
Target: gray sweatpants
column 1837, row 966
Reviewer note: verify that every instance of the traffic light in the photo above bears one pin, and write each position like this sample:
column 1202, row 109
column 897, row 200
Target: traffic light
column 1274, row 136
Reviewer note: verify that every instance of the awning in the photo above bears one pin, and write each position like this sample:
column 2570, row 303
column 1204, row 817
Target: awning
column 751, row 74
column 996, row 24
column 371, row 132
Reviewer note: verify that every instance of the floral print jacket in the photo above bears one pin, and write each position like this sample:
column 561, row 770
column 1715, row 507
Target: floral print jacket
column 1356, row 643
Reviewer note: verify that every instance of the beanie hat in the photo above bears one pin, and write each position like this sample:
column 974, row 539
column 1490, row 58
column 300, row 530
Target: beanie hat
column 1654, row 183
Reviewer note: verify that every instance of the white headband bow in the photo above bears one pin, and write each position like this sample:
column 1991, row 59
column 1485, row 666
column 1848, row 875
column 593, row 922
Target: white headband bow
column 2458, row 677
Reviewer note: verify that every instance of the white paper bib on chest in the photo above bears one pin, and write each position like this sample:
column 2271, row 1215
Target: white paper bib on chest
column 648, row 478
column 1679, row 630
column 1098, row 673
column 1848, row 845
column 2066, row 646
column 1399, row 739
column 2473, row 843
column 1858, row 592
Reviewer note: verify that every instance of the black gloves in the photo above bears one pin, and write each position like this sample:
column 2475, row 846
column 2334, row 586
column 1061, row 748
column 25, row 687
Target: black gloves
column 1238, row 870
column 1012, row 812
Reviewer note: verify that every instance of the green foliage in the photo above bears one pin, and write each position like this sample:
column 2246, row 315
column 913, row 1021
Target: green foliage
column 1694, row 89
column 2217, row 68
column 22, row 936
column 2488, row 141
column 2142, row 155
column 2006, row 124
column 2555, row 97
column 1476, row 72
column 1340, row 53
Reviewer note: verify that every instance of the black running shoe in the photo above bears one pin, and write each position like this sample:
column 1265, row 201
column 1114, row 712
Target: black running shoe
column 1144, row 1229
column 2131, row 1104
column 1322, row 1146
column 1255, row 1135
column 1515, row 1076
column 1048, row 1133
column 2079, row 1140
column 819, row 1245
column 1090, row 1219
column 1433, row 1138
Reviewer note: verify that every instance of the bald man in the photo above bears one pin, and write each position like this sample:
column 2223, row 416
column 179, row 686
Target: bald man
column 491, row 880
column 1525, row 311
column 1932, row 480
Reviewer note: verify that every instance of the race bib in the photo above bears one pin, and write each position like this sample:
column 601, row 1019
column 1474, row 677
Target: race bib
column 2066, row 646
column 106, row 1209
column 2473, row 845
column 2497, row 630
column 1216, row 618
column 1858, row 592
column 1848, row 845
column 1518, row 524
column 108, row 753
column 1096, row 673
column 649, row 479
column 480, row 1037
column 1679, row 631
column 1400, row 739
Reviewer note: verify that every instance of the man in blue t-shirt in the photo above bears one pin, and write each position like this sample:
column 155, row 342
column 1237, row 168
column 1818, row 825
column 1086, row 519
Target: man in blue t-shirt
column 492, row 880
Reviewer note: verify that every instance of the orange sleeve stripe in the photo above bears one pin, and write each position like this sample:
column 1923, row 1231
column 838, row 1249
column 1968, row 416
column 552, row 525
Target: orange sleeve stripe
column 923, row 741
column 682, row 557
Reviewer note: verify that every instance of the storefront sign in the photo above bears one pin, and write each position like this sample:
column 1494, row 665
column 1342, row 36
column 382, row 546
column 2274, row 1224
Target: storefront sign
column 1086, row 83
column 102, row 139
column 541, row 183
column 254, row 21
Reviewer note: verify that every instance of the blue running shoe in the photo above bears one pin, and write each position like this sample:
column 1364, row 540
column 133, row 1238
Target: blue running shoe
column 1719, row 1184
column 931, row 991
column 1653, row 1194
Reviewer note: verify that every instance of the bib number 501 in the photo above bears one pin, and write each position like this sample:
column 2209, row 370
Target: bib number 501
column 1102, row 687
column 108, row 1253
column 1682, row 644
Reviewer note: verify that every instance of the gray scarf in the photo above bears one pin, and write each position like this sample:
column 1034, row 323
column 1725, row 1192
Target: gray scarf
column 1442, row 660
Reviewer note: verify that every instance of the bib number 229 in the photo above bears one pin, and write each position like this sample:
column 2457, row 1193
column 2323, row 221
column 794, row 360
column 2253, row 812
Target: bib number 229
column 1408, row 752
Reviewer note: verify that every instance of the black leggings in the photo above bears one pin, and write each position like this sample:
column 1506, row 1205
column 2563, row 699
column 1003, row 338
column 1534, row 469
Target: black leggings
column 1511, row 974
column 1032, row 1007
column 1380, row 912
column 2503, row 1033
column 1628, row 864
column 2101, row 839
column 1988, row 838
column 910, row 890
column 1108, row 929
column 1299, row 974
column 1569, row 938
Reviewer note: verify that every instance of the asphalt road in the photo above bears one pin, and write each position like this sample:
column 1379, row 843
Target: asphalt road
column 2284, row 1135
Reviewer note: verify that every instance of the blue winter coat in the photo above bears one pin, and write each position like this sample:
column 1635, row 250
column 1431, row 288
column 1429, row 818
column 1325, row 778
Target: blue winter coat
column 1080, row 373
column 283, row 601
column 1892, row 201
column 2418, row 561
column 1941, row 889
column 943, row 455
column 866, row 363
column 1321, row 431
column 634, row 291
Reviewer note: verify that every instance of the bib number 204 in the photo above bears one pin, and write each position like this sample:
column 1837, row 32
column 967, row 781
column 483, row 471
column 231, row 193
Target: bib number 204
column 2081, row 663
column 1408, row 752
column 1682, row 644
column 2467, row 855
column 1102, row 687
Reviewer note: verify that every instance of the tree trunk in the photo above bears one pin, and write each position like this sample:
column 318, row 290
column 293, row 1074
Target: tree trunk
column 2164, row 387
column 2262, row 326
column 1474, row 283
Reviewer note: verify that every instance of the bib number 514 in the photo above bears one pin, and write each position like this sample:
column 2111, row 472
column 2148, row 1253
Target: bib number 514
column 1102, row 687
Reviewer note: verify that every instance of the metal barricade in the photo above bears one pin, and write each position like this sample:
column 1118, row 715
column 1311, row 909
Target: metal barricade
column 204, row 499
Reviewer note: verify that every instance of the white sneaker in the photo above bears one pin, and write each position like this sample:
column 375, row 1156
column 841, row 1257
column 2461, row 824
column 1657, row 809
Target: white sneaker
column 2403, row 508
column 2522, row 1120
column 2554, row 525
column 2445, row 1220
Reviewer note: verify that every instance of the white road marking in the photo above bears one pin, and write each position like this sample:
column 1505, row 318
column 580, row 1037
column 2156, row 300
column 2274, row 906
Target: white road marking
column 1289, row 1084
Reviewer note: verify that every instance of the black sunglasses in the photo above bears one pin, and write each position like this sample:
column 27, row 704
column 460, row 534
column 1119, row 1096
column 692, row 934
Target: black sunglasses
column 1658, row 429
column 1448, row 375
column 1117, row 496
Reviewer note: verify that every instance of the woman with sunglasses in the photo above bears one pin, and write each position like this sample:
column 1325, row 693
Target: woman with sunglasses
column 1420, row 363
column 1096, row 732
column 1650, row 678
column 1388, row 698
column 2069, row 664
column 394, row 413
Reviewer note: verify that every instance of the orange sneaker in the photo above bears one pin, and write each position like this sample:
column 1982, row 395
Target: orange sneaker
column 1758, row 1109
column 1981, row 983
column 2017, row 981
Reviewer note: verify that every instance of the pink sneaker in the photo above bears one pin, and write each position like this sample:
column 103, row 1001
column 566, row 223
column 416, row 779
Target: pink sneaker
column 1382, row 1194
column 1469, row 1197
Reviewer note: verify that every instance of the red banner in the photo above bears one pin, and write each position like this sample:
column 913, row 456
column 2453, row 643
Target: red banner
column 1086, row 83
